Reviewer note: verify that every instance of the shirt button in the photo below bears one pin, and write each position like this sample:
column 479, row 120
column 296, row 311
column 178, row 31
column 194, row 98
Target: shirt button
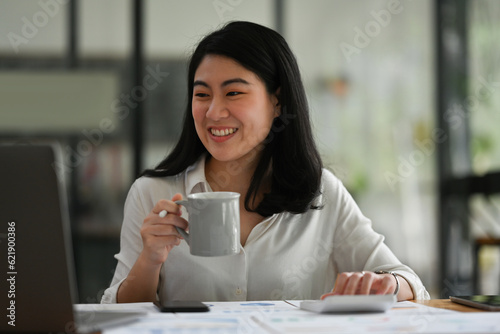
column 238, row 291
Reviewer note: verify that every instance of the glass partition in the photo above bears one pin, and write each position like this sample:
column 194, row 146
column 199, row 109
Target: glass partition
column 483, row 101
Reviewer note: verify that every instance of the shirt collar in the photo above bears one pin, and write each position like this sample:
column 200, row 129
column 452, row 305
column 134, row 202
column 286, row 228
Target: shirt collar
column 195, row 180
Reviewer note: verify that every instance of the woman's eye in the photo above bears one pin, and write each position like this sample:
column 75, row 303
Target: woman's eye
column 233, row 93
column 201, row 95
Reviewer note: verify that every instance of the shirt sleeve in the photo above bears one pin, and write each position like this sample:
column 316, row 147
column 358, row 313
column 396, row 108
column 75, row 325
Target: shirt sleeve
column 130, row 242
column 357, row 247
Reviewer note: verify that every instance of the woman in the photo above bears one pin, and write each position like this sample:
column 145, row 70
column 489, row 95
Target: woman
column 247, row 130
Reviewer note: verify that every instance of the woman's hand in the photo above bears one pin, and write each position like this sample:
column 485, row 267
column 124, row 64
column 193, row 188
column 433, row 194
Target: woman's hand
column 158, row 234
column 363, row 283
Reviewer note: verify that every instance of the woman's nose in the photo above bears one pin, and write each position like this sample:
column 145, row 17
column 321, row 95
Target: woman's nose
column 217, row 109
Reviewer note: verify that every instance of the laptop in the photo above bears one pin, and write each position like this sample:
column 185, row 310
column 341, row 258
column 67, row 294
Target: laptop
column 36, row 251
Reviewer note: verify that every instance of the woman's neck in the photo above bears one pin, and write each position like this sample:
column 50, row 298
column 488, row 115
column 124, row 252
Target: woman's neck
column 235, row 175
column 229, row 175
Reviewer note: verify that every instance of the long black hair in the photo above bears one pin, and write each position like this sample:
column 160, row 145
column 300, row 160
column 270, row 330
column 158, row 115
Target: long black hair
column 289, row 153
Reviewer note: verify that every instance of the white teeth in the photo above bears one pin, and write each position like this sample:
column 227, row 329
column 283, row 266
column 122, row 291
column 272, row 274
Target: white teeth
column 221, row 133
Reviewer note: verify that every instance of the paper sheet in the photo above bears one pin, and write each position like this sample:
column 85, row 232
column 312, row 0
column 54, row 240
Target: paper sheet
column 285, row 317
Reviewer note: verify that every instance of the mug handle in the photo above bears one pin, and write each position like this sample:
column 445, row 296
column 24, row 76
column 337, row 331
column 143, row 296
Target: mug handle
column 182, row 232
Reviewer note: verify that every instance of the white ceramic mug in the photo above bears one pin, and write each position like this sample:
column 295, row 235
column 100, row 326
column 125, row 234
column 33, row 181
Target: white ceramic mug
column 214, row 223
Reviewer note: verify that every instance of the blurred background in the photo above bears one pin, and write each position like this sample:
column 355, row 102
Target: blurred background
column 404, row 95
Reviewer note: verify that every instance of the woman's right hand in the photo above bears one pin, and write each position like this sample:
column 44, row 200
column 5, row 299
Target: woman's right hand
column 158, row 234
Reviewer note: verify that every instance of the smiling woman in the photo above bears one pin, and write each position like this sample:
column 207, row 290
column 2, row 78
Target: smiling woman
column 247, row 130
column 255, row 70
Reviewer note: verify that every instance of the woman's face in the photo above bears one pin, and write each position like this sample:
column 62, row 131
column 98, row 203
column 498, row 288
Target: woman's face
column 232, row 110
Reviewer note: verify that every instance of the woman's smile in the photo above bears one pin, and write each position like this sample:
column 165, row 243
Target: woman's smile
column 220, row 135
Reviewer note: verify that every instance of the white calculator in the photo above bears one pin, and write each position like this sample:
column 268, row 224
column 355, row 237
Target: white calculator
column 347, row 304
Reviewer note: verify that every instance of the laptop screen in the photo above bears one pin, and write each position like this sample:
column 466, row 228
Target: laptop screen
column 34, row 243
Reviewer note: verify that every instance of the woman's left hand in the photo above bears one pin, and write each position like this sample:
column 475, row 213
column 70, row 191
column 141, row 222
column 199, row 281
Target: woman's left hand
column 363, row 283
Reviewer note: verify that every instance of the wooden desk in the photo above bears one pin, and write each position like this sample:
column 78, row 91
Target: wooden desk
column 447, row 304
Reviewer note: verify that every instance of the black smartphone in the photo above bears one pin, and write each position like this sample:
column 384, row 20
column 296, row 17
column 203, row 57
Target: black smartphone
column 182, row 306
column 484, row 302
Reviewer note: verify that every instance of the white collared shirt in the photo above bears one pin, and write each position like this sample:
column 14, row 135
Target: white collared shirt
column 286, row 256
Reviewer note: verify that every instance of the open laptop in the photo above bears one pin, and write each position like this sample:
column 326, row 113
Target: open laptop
column 35, row 246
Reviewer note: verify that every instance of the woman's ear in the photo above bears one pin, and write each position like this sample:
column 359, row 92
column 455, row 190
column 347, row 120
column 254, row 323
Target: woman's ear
column 277, row 103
